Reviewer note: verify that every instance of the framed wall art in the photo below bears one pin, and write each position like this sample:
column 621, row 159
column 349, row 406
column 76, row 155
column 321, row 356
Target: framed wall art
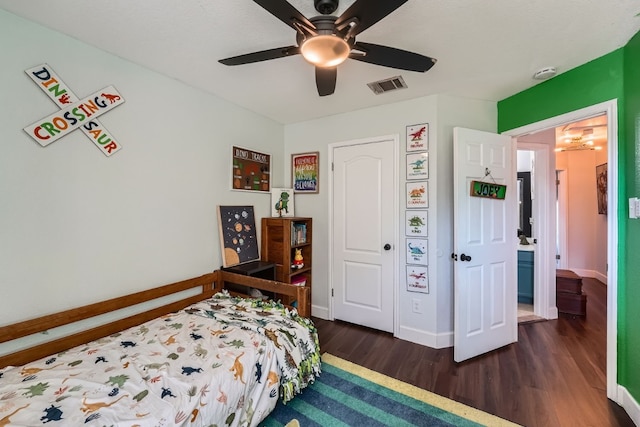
column 417, row 251
column 418, row 137
column 282, row 202
column 305, row 172
column 251, row 170
column 416, row 223
column 418, row 165
column 417, row 279
column 601, row 188
column 238, row 241
column 417, row 194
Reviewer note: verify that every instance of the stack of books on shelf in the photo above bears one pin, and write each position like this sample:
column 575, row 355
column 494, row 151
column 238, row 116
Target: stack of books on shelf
column 298, row 233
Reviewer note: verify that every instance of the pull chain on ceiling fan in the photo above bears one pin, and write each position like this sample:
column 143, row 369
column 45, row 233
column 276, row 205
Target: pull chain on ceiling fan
column 326, row 40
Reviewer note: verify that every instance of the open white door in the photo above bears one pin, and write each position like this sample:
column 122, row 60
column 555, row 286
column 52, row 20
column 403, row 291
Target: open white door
column 485, row 245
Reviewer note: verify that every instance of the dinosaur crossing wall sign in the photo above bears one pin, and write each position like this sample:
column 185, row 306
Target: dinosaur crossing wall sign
column 73, row 113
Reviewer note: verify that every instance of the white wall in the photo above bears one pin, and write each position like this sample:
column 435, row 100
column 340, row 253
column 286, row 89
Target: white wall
column 434, row 326
column 77, row 226
column 524, row 159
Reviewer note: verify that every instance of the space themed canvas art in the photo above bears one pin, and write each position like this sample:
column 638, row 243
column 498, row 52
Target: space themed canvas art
column 238, row 240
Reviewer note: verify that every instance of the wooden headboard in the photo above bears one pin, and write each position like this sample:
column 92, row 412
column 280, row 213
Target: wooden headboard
column 209, row 284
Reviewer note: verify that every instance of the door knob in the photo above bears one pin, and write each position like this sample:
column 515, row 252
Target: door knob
column 387, row 247
column 464, row 257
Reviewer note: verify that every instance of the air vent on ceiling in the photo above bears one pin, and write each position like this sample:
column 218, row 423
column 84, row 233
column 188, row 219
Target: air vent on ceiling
column 387, row 85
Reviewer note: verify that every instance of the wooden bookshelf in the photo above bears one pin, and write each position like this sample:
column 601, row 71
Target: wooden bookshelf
column 280, row 239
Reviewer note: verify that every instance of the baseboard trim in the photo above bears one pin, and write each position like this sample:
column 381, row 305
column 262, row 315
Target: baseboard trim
column 321, row 312
column 590, row 273
column 601, row 277
column 552, row 313
column 629, row 404
column 425, row 338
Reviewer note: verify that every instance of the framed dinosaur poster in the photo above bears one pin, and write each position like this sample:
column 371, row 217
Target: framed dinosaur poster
column 251, row 170
column 417, row 279
column 417, row 194
column 416, row 223
column 417, row 251
column 418, row 137
column 418, row 166
column 282, row 202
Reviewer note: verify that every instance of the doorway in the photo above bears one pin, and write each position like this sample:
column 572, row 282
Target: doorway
column 525, row 168
column 580, row 149
column 544, row 212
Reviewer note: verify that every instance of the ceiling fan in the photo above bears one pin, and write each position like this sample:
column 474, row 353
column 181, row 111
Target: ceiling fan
column 326, row 40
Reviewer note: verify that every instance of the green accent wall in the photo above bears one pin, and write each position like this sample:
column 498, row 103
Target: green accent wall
column 612, row 76
column 629, row 292
column 594, row 82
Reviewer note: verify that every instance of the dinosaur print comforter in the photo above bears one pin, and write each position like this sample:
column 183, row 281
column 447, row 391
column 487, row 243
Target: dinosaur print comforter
column 223, row 361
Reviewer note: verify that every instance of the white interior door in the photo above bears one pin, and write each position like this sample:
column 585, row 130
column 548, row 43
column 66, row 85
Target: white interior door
column 364, row 201
column 485, row 232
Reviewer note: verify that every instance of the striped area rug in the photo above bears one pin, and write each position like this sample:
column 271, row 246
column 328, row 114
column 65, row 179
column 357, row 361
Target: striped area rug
column 347, row 394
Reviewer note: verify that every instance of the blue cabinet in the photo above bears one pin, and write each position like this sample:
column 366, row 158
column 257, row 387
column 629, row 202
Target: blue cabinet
column 525, row 277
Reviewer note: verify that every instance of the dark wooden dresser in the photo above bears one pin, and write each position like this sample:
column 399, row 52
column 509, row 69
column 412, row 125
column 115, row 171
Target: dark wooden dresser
column 569, row 296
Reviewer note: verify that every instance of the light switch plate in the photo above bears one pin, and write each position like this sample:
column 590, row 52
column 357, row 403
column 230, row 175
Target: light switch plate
column 634, row 208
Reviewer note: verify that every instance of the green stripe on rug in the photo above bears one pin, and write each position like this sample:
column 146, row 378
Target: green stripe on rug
column 363, row 374
column 315, row 414
column 360, row 406
column 390, row 391
column 350, row 394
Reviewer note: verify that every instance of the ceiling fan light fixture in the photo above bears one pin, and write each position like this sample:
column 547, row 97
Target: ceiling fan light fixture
column 326, row 41
column 325, row 50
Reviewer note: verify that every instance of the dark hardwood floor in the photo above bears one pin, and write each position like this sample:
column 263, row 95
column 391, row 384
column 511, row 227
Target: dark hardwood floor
column 555, row 375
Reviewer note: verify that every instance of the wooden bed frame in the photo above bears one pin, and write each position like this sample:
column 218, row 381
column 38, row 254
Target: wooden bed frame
column 209, row 284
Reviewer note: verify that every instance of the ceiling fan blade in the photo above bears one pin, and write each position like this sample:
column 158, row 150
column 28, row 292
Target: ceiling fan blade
column 368, row 13
column 283, row 10
column 263, row 55
column 326, row 80
column 391, row 57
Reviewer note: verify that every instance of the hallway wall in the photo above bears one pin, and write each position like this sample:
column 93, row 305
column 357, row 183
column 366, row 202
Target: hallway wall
column 586, row 228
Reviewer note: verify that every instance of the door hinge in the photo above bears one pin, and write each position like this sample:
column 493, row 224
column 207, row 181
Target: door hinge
column 331, row 292
column 558, row 256
column 331, row 166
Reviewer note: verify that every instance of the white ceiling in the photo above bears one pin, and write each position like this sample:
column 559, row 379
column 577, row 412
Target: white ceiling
column 485, row 49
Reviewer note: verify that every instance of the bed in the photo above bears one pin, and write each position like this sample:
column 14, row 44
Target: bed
column 214, row 358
